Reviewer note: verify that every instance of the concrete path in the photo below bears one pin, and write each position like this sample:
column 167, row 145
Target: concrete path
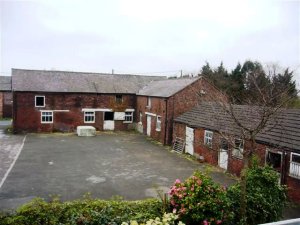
column 10, row 147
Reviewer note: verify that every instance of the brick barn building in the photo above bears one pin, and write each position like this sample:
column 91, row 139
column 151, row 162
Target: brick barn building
column 49, row 101
column 160, row 102
column 211, row 134
column 5, row 97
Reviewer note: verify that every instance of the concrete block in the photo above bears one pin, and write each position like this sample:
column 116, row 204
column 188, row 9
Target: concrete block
column 86, row 131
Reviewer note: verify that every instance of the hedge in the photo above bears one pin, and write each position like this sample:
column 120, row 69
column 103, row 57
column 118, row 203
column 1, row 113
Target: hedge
column 88, row 212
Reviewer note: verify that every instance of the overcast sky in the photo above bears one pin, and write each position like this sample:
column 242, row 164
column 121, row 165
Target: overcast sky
column 136, row 36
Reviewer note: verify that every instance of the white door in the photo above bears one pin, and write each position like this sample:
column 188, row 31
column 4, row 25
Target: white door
column 223, row 159
column 223, row 154
column 189, row 140
column 108, row 123
column 148, row 125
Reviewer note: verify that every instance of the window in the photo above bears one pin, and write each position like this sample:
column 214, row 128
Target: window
column 148, row 102
column 89, row 117
column 141, row 117
column 128, row 117
column 47, row 117
column 119, row 99
column 208, row 135
column 224, row 144
column 39, row 101
column 158, row 123
column 238, row 148
column 295, row 165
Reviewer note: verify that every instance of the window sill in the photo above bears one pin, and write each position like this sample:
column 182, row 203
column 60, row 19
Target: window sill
column 46, row 122
column 237, row 157
column 90, row 122
column 294, row 176
column 157, row 130
column 127, row 121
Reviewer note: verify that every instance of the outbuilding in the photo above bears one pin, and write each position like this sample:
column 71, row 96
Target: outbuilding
column 212, row 135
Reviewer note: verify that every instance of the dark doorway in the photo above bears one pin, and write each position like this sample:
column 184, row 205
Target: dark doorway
column 274, row 160
column 109, row 116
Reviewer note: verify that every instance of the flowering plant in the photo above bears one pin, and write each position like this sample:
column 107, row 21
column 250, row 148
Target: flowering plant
column 168, row 219
column 200, row 200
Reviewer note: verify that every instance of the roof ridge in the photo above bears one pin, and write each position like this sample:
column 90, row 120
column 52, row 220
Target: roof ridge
column 85, row 72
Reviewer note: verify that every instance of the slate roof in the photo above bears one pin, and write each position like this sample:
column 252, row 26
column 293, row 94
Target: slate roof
column 166, row 88
column 5, row 83
column 78, row 82
column 281, row 131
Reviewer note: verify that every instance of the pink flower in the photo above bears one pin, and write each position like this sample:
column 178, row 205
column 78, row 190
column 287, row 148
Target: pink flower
column 199, row 182
column 205, row 222
column 174, row 210
column 177, row 181
column 182, row 210
column 219, row 221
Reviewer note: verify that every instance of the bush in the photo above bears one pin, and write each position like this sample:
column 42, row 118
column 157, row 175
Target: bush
column 199, row 200
column 83, row 212
column 265, row 197
column 168, row 219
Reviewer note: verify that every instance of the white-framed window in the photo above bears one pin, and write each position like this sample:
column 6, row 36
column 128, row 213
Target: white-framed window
column 158, row 123
column 46, row 117
column 238, row 148
column 128, row 117
column 208, row 135
column 119, row 99
column 141, row 117
column 39, row 101
column 148, row 101
column 89, row 117
column 295, row 165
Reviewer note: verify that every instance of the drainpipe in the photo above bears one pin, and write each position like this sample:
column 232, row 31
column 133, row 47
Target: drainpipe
column 166, row 121
column 283, row 167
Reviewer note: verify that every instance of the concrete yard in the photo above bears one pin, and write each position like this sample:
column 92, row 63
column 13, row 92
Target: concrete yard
column 109, row 164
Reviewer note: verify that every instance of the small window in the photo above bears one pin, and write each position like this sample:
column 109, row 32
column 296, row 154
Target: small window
column 224, row 144
column 238, row 148
column 128, row 117
column 47, row 117
column 158, row 123
column 39, row 101
column 141, row 117
column 295, row 165
column 89, row 117
column 148, row 102
column 208, row 135
column 119, row 99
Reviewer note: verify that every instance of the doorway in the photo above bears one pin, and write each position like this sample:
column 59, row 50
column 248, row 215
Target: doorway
column 274, row 159
column 189, row 140
column 223, row 154
column 148, row 125
column 108, row 123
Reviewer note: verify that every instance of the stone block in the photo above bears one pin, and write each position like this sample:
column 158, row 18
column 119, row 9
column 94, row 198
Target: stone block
column 86, row 131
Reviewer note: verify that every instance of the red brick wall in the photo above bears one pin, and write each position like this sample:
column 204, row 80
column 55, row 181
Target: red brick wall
column 158, row 107
column 1, row 104
column 210, row 154
column 293, row 188
column 27, row 117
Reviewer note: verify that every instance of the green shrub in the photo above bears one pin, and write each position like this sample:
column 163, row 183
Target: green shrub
column 83, row 212
column 168, row 219
column 199, row 200
column 265, row 197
